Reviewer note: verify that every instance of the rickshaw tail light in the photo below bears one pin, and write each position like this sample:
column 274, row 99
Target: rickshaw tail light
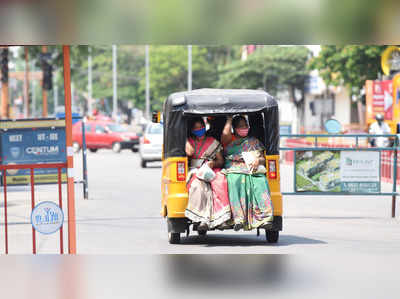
column 272, row 169
column 181, row 171
column 146, row 141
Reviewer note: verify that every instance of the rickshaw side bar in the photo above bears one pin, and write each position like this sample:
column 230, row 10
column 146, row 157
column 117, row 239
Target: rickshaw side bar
column 60, row 204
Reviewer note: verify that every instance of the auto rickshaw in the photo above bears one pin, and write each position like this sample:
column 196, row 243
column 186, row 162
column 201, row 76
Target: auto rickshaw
column 263, row 116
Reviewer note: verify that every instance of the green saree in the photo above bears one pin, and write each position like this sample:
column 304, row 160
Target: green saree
column 249, row 193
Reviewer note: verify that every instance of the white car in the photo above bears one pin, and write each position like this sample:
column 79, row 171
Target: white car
column 150, row 147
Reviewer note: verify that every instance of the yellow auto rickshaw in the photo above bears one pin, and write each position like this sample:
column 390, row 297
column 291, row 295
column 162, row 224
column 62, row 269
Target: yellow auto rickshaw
column 263, row 117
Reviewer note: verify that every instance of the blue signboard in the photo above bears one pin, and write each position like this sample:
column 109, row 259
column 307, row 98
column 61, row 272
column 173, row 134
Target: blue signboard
column 21, row 145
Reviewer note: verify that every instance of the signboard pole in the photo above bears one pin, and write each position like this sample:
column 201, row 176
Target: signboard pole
column 84, row 162
column 33, row 206
column 70, row 156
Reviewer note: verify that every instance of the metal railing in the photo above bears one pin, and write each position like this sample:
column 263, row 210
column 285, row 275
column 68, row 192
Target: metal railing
column 314, row 143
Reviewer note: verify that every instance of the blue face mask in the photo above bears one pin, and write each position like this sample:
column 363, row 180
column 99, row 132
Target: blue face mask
column 200, row 132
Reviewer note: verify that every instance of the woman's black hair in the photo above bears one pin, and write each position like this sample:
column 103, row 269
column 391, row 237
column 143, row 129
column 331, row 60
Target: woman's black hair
column 197, row 119
column 191, row 123
column 236, row 120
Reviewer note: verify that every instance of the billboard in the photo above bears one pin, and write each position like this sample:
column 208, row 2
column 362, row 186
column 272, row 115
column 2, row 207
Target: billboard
column 21, row 144
column 337, row 171
column 379, row 99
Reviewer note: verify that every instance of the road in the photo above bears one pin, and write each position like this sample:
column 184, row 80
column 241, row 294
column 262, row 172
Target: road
column 122, row 217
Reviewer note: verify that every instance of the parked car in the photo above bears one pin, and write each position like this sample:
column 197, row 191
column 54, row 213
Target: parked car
column 150, row 148
column 104, row 134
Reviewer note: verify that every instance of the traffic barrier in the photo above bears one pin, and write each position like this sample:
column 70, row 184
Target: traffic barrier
column 387, row 157
column 32, row 167
column 342, row 164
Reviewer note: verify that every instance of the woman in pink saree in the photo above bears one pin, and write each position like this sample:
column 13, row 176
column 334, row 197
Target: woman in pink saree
column 208, row 201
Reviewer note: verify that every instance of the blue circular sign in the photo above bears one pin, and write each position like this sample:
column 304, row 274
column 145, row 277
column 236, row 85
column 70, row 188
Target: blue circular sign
column 47, row 217
column 332, row 126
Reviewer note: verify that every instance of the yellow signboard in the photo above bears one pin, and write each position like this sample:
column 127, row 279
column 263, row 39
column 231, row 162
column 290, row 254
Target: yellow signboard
column 390, row 60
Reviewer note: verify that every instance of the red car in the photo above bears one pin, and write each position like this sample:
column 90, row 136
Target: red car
column 103, row 134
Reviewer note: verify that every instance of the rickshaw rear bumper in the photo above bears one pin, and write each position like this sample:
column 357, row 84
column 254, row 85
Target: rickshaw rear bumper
column 180, row 225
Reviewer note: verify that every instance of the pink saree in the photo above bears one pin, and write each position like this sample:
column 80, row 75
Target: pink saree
column 208, row 201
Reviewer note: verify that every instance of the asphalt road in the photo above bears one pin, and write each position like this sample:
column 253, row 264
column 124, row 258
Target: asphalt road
column 122, row 217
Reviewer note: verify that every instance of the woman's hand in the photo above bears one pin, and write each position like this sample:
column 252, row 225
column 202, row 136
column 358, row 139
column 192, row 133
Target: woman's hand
column 211, row 164
column 255, row 164
column 226, row 136
column 189, row 149
column 218, row 162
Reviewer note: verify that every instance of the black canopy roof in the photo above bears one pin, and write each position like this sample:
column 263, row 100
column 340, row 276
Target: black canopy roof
column 214, row 102
column 220, row 101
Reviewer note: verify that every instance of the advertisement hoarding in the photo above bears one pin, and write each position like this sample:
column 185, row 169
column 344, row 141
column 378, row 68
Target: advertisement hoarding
column 337, row 171
column 379, row 99
column 21, row 145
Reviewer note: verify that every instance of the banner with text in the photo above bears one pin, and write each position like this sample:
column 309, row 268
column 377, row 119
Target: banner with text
column 338, row 171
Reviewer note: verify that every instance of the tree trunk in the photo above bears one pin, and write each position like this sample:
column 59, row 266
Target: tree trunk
column 299, row 107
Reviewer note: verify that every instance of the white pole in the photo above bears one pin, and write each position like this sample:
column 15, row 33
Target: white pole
column 33, row 82
column 189, row 67
column 147, row 84
column 114, row 48
column 90, row 81
column 33, row 85
column 55, row 93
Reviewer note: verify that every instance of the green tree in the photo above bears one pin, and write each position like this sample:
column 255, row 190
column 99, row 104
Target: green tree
column 130, row 61
column 169, row 72
column 349, row 65
column 270, row 68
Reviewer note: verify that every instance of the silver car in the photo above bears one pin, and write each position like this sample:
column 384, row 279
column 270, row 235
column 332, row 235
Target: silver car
column 150, row 148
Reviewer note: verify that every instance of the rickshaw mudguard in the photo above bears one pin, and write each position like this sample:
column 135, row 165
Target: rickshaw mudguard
column 173, row 188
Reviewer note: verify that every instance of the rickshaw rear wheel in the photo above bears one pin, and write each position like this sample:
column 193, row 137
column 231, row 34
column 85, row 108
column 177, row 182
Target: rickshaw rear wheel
column 174, row 238
column 143, row 163
column 272, row 236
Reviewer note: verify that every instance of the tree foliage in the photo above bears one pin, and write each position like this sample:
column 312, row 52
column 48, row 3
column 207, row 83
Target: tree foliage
column 169, row 71
column 350, row 65
column 270, row 68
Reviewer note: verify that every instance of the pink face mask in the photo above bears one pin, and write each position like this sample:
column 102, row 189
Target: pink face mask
column 242, row 132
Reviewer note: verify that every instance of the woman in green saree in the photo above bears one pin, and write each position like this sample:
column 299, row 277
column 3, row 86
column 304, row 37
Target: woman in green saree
column 249, row 193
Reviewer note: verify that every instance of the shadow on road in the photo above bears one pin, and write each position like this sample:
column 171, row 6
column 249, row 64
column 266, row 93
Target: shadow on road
column 246, row 240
